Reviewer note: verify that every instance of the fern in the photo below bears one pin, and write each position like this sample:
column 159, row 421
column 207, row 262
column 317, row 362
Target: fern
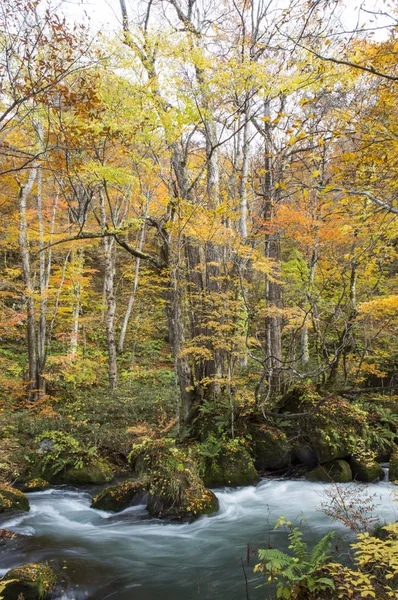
column 299, row 547
column 320, row 553
column 302, row 570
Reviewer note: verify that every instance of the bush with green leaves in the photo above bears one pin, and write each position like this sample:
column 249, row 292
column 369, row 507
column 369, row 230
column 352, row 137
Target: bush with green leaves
column 299, row 571
column 59, row 451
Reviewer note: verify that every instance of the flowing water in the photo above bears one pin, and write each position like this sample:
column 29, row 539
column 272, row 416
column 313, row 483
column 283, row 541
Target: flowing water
column 130, row 556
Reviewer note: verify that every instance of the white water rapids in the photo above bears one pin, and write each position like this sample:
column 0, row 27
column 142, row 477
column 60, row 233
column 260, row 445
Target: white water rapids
column 129, row 556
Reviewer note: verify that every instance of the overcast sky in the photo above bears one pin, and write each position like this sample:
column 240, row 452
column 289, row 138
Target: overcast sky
column 105, row 14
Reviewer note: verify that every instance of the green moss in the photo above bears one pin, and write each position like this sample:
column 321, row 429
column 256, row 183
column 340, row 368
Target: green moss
column 119, row 497
column 30, row 582
column 174, row 485
column 231, row 469
column 99, row 471
column 35, row 485
column 336, row 470
column 271, row 448
column 12, row 499
column 366, row 471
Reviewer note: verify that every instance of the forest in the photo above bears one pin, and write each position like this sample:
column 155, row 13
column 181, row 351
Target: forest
column 198, row 301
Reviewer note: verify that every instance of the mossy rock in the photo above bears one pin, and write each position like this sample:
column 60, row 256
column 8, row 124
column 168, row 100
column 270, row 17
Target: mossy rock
column 97, row 472
column 299, row 398
column 271, row 449
column 12, row 499
column 366, row 472
column 338, row 471
column 231, row 469
column 35, row 485
column 9, row 536
column 325, row 452
column 118, row 497
column 176, row 491
column 393, row 473
column 30, row 582
column 159, row 506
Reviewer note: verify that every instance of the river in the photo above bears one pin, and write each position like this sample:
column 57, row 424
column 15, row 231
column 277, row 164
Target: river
column 130, row 556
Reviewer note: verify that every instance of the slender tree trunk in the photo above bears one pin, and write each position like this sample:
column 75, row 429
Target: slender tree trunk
column 244, row 174
column 273, row 338
column 29, row 288
column 305, row 353
column 109, row 290
column 131, row 301
column 43, row 286
column 77, row 263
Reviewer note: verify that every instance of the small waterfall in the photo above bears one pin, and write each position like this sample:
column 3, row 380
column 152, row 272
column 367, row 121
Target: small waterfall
column 386, row 467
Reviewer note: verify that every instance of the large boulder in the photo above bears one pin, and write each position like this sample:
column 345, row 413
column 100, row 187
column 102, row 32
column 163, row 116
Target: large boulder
column 35, row 485
column 337, row 471
column 12, row 499
column 118, row 497
column 330, row 426
column 160, row 505
column 97, row 471
column 366, row 471
column 231, row 469
column 30, row 582
column 175, row 489
column 271, row 448
column 62, row 458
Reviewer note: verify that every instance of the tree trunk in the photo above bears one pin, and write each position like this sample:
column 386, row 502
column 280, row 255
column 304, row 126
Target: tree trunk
column 131, row 301
column 109, row 290
column 273, row 337
column 29, row 290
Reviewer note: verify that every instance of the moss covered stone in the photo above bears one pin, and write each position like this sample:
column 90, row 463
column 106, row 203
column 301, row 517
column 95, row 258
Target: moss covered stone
column 161, row 506
column 12, row 499
column 175, row 489
column 97, row 472
column 234, row 468
column 338, row 471
column 271, row 449
column 393, row 474
column 9, row 536
column 118, row 497
column 366, row 471
column 35, row 485
column 30, row 582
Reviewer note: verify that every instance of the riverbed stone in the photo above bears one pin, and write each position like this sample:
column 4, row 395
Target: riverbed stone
column 175, row 487
column 163, row 507
column 7, row 536
column 118, row 497
column 12, row 499
column 29, row 581
column 338, row 471
column 35, row 485
column 366, row 471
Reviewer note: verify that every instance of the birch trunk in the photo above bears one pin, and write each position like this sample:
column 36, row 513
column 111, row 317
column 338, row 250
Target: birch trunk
column 29, row 288
column 109, row 291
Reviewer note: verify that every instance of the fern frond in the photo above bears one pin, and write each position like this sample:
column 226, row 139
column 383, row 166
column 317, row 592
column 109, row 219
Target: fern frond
column 321, row 551
column 299, row 547
column 275, row 559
